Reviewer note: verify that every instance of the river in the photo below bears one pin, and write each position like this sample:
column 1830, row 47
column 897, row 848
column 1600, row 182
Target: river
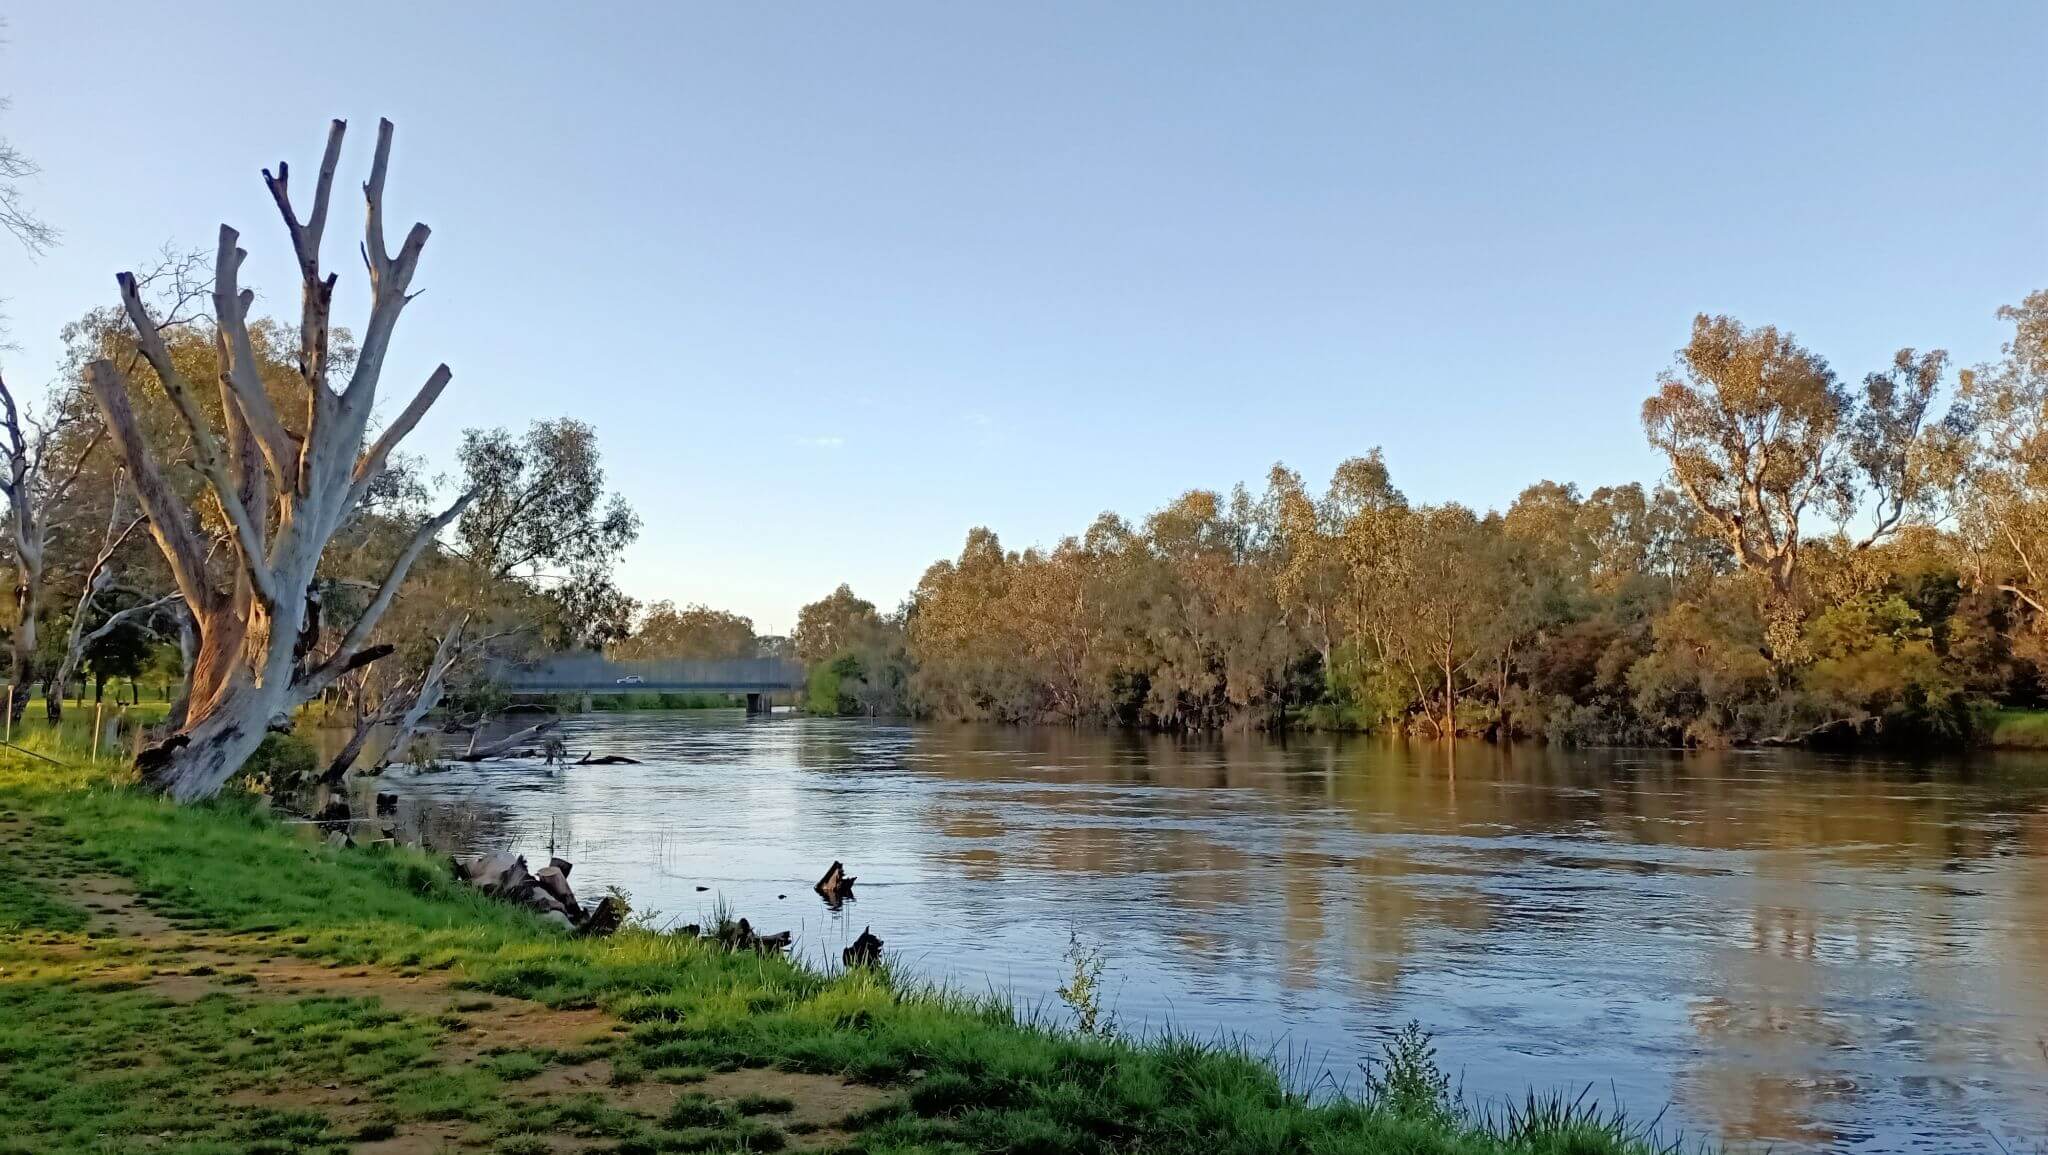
column 1774, row 949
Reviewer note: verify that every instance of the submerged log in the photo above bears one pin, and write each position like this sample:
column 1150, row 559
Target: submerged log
column 837, row 885
column 866, row 950
column 607, row 760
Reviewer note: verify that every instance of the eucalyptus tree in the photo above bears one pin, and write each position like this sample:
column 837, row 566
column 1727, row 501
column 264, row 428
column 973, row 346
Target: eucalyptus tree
column 833, row 624
column 694, row 631
column 1752, row 424
column 541, row 515
column 282, row 497
column 2003, row 491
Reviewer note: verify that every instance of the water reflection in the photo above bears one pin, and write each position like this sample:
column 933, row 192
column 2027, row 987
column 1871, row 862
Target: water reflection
column 1814, row 954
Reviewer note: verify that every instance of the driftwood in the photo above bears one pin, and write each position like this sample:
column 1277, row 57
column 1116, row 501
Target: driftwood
column 740, row 936
column 607, row 760
column 866, row 950
column 387, row 804
column 505, row 745
column 546, row 892
column 554, row 878
column 837, row 885
column 404, row 707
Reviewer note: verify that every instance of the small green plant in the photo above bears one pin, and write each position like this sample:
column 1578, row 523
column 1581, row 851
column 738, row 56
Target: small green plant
column 1406, row 1080
column 1082, row 992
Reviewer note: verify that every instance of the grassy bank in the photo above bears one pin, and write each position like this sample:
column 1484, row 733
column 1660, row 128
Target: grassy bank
column 2014, row 729
column 93, row 1063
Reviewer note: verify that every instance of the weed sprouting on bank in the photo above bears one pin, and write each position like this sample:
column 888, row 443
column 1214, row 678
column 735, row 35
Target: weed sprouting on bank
column 1082, row 991
column 1406, row 1079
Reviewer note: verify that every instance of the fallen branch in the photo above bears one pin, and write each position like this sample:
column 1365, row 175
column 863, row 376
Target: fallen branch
column 506, row 745
column 32, row 753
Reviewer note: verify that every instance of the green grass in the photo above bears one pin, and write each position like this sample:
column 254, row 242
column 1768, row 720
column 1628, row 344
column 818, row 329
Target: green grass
column 969, row 1074
column 71, row 740
column 2008, row 729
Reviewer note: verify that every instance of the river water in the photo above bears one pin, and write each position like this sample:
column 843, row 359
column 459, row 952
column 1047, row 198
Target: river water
column 1773, row 949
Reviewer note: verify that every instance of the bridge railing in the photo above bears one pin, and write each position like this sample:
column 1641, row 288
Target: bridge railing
column 595, row 671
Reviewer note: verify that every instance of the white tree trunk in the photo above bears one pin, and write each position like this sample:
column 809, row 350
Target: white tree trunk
column 283, row 496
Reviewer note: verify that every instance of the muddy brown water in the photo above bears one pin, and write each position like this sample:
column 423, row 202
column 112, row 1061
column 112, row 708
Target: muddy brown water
column 1775, row 950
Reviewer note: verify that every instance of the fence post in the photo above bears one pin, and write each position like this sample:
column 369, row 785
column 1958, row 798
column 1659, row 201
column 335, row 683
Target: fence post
column 98, row 710
column 10, row 713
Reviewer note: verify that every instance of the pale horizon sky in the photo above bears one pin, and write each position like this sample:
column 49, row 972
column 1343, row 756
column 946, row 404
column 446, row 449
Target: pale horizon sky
column 837, row 283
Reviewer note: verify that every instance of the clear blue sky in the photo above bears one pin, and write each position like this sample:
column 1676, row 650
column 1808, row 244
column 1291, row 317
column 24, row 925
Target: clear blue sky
column 836, row 282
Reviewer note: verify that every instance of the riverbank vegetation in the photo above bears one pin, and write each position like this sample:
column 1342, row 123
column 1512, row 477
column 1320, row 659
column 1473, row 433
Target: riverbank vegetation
column 1820, row 562
column 264, row 992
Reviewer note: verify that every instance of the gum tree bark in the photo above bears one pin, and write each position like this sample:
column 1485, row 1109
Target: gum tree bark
column 281, row 494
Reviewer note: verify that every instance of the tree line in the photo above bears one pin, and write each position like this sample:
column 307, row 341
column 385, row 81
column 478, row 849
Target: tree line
column 220, row 494
column 1821, row 560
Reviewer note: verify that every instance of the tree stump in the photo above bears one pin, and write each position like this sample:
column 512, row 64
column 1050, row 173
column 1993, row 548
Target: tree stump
column 837, row 885
column 605, row 919
column 866, row 950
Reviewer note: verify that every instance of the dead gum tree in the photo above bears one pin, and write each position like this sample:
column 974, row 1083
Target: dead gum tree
column 282, row 495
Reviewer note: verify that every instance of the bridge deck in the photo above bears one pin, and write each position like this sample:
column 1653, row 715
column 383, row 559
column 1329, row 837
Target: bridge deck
column 592, row 673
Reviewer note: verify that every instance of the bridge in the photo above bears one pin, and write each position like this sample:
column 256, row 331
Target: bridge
column 584, row 673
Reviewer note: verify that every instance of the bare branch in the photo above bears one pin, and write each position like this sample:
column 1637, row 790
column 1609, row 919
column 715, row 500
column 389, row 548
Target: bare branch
column 119, row 617
column 373, row 461
column 389, row 277
column 239, row 376
column 306, row 237
column 317, row 296
column 206, row 449
column 175, row 535
column 318, row 679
